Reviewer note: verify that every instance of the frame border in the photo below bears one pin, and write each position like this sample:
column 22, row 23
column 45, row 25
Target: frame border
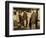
column 7, row 18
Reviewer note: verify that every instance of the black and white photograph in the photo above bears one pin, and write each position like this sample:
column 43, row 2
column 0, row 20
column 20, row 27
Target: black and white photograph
column 26, row 18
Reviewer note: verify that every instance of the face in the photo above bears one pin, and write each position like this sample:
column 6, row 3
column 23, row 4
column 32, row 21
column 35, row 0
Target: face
column 34, row 11
column 22, row 14
column 31, row 11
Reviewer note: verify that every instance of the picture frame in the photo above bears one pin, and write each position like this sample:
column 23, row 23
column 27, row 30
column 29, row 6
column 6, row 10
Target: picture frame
column 10, row 6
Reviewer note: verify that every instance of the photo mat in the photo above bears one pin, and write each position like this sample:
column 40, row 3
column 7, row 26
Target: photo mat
column 24, row 16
